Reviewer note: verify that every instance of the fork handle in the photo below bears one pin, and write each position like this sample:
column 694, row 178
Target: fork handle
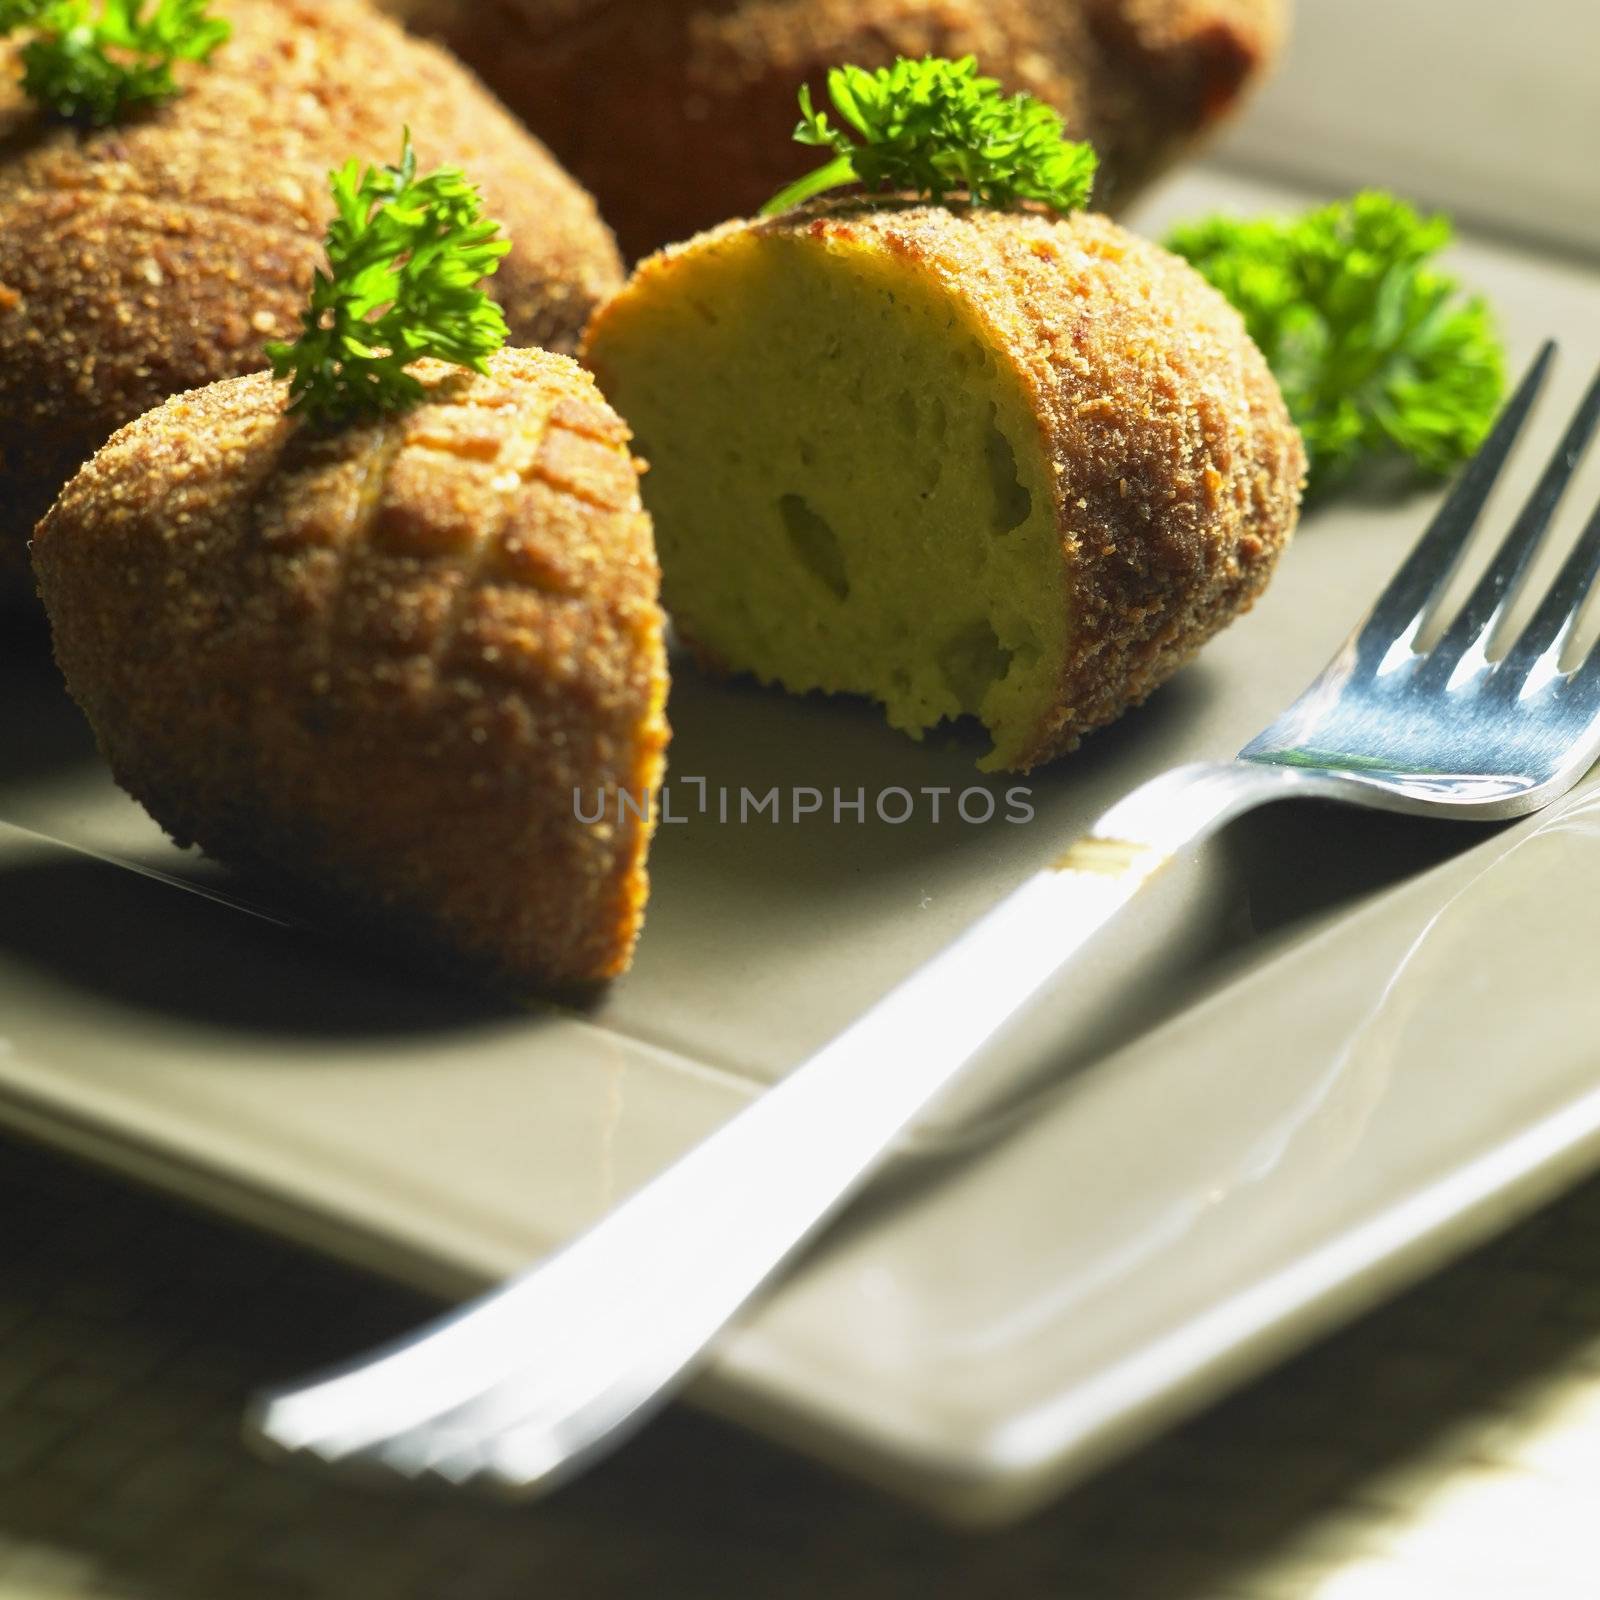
column 546, row 1370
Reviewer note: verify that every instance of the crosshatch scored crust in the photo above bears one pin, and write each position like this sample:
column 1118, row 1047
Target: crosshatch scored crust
column 382, row 659
column 148, row 259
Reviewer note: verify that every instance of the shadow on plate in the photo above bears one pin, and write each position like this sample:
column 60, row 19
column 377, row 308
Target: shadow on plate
column 148, row 946
column 41, row 731
column 742, row 739
column 1298, row 862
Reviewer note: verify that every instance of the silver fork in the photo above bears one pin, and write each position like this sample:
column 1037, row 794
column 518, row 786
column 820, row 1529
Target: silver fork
column 520, row 1389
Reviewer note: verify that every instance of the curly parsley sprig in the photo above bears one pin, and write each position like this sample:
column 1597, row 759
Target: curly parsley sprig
column 406, row 260
column 1379, row 353
column 934, row 127
column 97, row 66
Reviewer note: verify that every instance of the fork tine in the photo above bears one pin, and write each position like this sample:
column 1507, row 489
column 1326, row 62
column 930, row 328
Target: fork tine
column 1432, row 563
column 1496, row 591
column 1536, row 661
column 1551, row 625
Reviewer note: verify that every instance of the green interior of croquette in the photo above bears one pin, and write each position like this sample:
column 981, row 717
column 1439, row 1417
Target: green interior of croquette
column 849, row 489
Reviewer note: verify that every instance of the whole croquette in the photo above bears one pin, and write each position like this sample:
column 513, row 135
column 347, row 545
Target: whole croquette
column 961, row 461
column 678, row 113
column 150, row 258
column 399, row 662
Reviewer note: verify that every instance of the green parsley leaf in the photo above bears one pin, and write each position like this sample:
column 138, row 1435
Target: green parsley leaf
column 98, row 66
column 934, row 127
column 1379, row 353
column 406, row 260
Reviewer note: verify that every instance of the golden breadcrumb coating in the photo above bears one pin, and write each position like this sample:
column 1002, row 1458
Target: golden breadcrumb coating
column 1176, row 470
column 388, row 661
column 678, row 113
column 143, row 260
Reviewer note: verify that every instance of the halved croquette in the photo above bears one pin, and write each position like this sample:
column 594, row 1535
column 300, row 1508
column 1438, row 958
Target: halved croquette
column 961, row 461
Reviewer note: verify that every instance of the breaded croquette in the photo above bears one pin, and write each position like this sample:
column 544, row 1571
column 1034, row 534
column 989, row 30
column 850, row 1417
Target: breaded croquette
column 399, row 662
column 972, row 462
column 677, row 114
column 146, row 259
